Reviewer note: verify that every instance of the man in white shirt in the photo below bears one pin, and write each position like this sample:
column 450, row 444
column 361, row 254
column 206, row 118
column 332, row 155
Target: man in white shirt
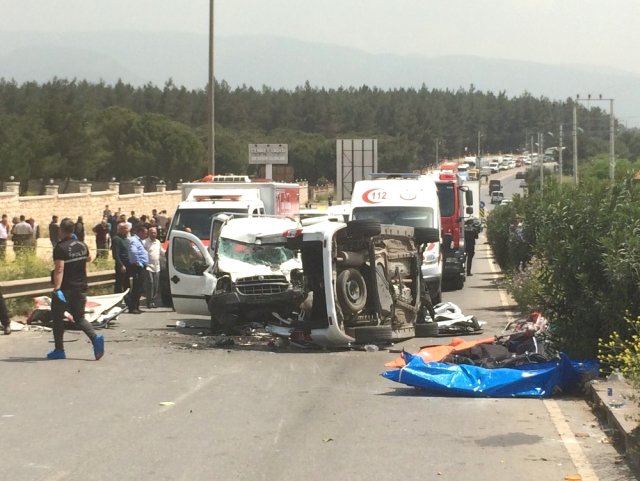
column 152, row 281
column 4, row 234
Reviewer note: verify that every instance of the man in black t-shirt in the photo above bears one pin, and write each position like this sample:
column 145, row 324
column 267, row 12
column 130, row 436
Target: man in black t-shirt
column 70, row 258
column 470, row 236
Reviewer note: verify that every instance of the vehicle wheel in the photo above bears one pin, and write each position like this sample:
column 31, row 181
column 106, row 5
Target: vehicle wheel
column 363, row 227
column 375, row 334
column 222, row 323
column 458, row 283
column 352, row 291
column 427, row 329
column 403, row 333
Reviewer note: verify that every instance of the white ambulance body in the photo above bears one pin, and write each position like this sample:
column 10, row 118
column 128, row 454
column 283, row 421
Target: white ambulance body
column 409, row 200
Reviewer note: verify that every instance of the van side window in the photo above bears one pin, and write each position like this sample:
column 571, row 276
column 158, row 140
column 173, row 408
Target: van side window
column 185, row 255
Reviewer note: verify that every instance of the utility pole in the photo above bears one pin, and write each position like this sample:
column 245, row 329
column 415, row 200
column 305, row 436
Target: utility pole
column 210, row 92
column 560, row 138
column 437, row 157
column 612, row 133
column 575, row 144
column 478, row 146
column 612, row 151
column 541, row 159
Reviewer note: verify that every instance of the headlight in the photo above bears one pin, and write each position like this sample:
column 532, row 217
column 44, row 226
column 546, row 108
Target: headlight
column 429, row 259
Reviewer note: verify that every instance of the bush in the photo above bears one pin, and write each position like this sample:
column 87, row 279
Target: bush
column 27, row 266
column 587, row 274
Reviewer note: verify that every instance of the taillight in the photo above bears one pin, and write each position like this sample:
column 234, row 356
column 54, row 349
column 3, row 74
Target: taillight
column 292, row 233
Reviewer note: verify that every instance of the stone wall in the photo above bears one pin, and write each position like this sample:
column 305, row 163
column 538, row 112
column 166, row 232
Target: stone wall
column 88, row 205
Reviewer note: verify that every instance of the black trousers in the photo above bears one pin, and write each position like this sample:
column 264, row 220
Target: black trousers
column 137, row 286
column 4, row 312
column 76, row 302
column 122, row 280
column 469, row 261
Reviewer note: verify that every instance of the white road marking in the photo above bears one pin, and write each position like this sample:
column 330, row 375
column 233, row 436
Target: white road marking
column 570, row 442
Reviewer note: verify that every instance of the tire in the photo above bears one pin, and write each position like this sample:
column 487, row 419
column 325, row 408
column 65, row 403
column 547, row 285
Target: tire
column 427, row 329
column 352, row 291
column 222, row 323
column 458, row 283
column 403, row 333
column 363, row 227
column 373, row 334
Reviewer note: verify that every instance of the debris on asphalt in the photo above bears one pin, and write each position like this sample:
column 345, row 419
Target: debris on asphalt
column 167, row 403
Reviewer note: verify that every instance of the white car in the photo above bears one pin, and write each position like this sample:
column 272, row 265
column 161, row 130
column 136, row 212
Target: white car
column 497, row 196
column 494, row 166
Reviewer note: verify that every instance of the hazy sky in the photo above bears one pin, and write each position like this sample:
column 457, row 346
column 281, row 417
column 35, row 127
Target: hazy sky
column 590, row 32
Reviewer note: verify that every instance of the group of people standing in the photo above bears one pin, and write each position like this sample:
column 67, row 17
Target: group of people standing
column 136, row 253
column 22, row 231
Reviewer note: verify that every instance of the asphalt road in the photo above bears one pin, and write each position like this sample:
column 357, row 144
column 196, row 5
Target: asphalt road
column 165, row 404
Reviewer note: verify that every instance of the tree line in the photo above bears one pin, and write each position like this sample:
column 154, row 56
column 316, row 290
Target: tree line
column 76, row 129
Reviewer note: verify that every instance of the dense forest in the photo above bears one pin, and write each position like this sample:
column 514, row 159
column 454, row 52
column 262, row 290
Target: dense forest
column 75, row 129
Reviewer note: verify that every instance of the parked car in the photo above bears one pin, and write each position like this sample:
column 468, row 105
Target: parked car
column 523, row 184
column 505, row 201
column 521, row 174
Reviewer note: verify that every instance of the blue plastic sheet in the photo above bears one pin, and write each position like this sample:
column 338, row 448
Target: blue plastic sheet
column 538, row 380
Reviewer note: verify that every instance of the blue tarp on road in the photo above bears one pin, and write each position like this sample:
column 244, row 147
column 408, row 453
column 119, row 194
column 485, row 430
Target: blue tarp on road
column 531, row 380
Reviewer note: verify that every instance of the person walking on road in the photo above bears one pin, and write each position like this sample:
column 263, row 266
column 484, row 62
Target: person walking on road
column 70, row 257
column 138, row 260
column 121, row 258
column 470, row 236
column 152, row 279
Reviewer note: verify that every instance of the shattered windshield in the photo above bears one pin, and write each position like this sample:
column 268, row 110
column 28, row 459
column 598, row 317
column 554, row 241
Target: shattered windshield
column 266, row 255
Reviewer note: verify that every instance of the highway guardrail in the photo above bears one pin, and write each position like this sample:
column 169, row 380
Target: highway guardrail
column 42, row 285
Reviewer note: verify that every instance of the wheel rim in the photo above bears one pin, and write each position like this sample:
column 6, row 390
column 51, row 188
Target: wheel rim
column 353, row 291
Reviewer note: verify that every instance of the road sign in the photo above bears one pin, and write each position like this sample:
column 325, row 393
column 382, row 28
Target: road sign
column 482, row 204
column 481, row 213
column 268, row 153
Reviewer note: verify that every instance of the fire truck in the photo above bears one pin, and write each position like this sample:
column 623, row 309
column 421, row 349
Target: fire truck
column 456, row 202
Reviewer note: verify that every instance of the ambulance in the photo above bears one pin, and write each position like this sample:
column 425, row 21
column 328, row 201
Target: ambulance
column 405, row 199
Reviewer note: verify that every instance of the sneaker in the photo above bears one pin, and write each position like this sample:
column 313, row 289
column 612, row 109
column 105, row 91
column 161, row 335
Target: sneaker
column 98, row 347
column 7, row 329
column 56, row 354
column 135, row 311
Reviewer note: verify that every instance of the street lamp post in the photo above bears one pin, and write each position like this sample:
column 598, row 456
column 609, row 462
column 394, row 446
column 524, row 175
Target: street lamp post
column 210, row 92
column 612, row 126
column 560, row 147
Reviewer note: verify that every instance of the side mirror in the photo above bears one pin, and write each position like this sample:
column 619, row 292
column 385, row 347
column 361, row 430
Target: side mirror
column 425, row 235
column 468, row 197
column 469, row 210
